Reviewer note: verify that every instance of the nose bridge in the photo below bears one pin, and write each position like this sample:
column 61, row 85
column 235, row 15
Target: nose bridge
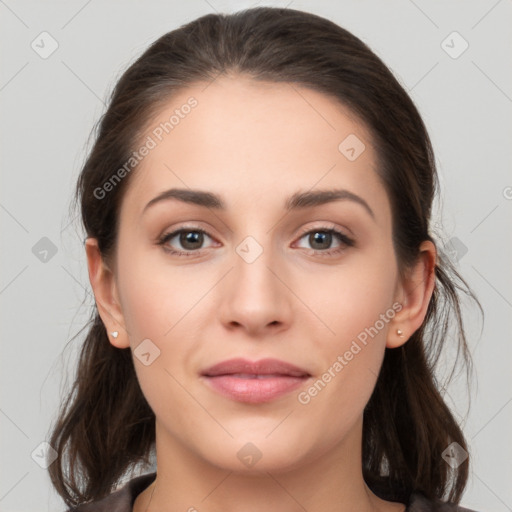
column 253, row 258
column 255, row 252
column 254, row 297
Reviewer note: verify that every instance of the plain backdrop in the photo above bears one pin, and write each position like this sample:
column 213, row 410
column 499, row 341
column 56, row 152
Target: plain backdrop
column 461, row 83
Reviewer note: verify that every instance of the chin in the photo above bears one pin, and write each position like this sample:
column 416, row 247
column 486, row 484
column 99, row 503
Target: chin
column 256, row 454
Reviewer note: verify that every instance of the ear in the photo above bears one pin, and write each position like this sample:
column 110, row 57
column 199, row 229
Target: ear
column 414, row 292
column 105, row 293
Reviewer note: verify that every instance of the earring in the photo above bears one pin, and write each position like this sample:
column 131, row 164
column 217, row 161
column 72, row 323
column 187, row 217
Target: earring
column 400, row 333
column 115, row 334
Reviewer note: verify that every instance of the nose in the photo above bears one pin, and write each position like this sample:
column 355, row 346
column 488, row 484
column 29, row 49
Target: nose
column 255, row 296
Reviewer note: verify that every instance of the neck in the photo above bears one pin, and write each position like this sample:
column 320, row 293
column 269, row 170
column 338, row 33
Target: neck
column 329, row 482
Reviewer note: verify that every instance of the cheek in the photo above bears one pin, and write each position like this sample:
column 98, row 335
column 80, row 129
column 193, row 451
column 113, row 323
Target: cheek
column 156, row 295
column 158, row 303
column 354, row 305
column 350, row 298
column 161, row 304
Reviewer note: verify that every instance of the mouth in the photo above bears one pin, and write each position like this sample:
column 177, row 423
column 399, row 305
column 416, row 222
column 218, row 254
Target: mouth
column 254, row 382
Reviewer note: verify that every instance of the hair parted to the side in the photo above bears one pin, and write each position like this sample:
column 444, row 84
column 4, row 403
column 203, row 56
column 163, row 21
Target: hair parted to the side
column 105, row 426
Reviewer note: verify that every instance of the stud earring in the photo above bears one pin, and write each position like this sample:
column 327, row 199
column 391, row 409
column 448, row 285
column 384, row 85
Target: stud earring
column 400, row 333
column 115, row 334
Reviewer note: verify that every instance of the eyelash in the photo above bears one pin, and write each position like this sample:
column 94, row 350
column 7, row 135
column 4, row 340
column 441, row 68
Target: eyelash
column 342, row 238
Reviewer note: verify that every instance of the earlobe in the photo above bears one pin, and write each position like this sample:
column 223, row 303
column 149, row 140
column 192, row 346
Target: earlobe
column 414, row 293
column 104, row 287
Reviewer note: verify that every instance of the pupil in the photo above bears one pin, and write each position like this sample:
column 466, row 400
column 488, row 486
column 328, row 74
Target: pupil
column 192, row 238
column 318, row 238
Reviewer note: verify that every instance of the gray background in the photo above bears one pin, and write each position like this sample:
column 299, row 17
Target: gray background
column 49, row 106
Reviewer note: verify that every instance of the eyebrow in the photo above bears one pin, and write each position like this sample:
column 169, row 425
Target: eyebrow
column 297, row 201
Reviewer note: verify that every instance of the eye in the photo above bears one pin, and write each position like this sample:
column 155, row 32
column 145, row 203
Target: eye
column 321, row 240
column 190, row 239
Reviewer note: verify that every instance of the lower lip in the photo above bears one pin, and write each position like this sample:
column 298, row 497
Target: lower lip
column 254, row 390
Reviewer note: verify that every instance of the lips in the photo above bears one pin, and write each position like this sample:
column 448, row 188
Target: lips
column 254, row 382
column 264, row 367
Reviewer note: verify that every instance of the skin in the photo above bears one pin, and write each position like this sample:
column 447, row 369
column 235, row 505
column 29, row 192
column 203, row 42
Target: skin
column 255, row 144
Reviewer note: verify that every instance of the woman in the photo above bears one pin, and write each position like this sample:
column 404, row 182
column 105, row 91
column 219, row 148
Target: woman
column 270, row 301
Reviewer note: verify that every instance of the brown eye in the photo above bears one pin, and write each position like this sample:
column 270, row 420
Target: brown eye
column 191, row 240
column 184, row 241
column 320, row 240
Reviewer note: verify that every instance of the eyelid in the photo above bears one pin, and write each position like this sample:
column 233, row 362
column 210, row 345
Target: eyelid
column 323, row 227
column 344, row 239
column 168, row 235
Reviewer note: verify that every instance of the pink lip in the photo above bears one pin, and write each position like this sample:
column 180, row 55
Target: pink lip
column 254, row 382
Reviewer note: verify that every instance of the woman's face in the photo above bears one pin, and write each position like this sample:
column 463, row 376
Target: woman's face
column 267, row 280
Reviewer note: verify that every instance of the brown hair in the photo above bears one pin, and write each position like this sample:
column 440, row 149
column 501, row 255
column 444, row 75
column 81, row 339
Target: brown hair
column 105, row 426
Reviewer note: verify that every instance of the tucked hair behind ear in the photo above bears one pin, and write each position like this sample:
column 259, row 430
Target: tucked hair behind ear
column 105, row 426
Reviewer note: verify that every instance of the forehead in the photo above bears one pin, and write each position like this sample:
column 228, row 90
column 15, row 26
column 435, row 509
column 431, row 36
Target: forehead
column 244, row 139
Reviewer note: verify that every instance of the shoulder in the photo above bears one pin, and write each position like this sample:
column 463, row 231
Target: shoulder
column 418, row 502
column 120, row 500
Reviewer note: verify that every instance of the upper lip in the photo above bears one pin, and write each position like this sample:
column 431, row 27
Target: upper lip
column 262, row 367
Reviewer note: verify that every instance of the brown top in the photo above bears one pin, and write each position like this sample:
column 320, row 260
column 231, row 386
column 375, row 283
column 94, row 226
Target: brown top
column 123, row 499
